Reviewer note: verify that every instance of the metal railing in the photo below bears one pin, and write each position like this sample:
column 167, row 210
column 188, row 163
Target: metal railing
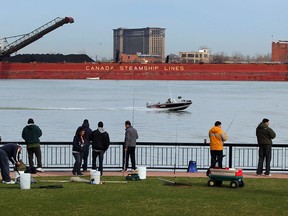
column 175, row 156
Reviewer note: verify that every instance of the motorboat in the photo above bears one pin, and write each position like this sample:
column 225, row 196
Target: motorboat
column 171, row 104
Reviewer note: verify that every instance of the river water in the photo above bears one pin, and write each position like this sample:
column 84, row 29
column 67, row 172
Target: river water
column 60, row 106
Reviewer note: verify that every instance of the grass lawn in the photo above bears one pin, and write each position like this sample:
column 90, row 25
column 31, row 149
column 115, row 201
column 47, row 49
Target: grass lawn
column 152, row 196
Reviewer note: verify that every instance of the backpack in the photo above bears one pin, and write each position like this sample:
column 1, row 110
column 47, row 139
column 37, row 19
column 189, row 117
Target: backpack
column 192, row 167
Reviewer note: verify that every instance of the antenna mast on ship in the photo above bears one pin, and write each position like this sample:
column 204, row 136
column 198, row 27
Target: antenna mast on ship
column 29, row 38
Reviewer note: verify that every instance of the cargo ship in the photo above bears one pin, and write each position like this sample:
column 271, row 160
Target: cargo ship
column 126, row 71
column 134, row 71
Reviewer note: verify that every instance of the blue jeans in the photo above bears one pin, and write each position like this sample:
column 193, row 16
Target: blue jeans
column 95, row 154
column 4, row 165
column 85, row 157
column 77, row 165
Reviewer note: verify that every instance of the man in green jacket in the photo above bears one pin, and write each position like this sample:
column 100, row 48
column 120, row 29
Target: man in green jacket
column 264, row 138
column 31, row 134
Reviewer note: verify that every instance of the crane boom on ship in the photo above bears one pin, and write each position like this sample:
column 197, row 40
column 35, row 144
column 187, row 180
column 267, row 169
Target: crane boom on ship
column 36, row 34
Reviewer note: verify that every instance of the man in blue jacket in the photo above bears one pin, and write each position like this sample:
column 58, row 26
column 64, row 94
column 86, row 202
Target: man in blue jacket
column 9, row 151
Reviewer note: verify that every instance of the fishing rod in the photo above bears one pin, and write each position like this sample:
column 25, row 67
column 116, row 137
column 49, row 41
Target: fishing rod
column 230, row 123
column 133, row 111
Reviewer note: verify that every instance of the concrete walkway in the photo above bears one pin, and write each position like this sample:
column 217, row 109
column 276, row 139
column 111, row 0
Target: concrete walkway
column 160, row 174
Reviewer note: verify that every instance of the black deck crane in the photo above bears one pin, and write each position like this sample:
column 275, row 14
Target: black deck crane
column 29, row 38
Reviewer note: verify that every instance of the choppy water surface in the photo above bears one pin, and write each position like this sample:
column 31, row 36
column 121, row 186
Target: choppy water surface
column 59, row 107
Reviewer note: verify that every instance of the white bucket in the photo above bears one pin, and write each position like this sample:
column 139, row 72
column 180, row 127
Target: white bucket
column 25, row 180
column 94, row 177
column 17, row 174
column 141, row 172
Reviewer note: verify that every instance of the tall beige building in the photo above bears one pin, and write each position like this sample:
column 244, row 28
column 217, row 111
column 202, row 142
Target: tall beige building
column 148, row 41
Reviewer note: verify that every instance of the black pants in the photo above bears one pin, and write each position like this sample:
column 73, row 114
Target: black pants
column 264, row 154
column 216, row 156
column 95, row 154
column 37, row 152
column 126, row 154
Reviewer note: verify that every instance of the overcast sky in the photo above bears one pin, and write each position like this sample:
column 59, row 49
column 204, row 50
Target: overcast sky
column 243, row 26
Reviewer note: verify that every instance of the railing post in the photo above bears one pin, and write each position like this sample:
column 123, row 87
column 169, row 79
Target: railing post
column 230, row 155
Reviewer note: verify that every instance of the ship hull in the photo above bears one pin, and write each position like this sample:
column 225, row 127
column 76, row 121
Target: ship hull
column 131, row 71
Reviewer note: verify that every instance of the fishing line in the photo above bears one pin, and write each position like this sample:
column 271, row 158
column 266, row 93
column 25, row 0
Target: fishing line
column 133, row 107
column 231, row 123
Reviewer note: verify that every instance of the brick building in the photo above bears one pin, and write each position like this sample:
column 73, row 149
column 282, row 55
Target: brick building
column 280, row 51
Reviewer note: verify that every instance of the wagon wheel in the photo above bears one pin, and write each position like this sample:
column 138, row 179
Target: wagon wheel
column 211, row 183
column 234, row 184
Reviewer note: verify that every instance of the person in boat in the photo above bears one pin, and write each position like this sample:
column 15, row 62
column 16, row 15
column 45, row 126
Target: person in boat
column 217, row 137
column 169, row 100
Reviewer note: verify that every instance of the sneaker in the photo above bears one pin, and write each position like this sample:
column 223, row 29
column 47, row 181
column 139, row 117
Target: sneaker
column 267, row 174
column 80, row 174
column 8, row 182
column 133, row 170
column 40, row 170
column 123, row 171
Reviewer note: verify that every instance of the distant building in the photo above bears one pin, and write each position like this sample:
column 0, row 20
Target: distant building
column 202, row 56
column 147, row 41
column 140, row 58
column 280, row 51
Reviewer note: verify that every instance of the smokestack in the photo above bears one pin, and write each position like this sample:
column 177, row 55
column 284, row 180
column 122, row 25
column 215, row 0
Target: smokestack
column 167, row 59
column 117, row 56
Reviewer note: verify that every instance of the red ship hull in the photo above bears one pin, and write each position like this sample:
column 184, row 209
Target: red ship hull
column 131, row 71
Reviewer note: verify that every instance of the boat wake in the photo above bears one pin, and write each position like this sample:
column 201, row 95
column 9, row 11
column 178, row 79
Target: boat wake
column 44, row 108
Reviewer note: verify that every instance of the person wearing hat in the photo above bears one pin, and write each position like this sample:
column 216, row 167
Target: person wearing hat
column 9, row 151
column 217, row 137
column 264, row 134
column 88, row 131
column 31, row 133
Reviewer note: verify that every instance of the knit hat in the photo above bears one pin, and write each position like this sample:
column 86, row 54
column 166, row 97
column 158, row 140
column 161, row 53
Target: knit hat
column 30, row 121
column 217, row 123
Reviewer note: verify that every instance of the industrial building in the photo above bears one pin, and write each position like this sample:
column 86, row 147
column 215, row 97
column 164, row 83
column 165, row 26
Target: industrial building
column 146, row 41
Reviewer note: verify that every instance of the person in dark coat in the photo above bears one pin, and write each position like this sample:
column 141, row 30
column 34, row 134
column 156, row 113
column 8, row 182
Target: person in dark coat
column 264, row 138
column 9, row 151
column 79, row 141
column 88, row 131
column 100, row 143
column 31, row 133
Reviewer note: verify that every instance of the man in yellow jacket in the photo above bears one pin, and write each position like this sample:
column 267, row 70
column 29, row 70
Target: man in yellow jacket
column 217, row 137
